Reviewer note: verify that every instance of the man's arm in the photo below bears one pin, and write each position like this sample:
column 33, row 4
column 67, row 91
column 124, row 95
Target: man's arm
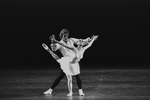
column 54, row 45
column 64, row 45
column 52, row 38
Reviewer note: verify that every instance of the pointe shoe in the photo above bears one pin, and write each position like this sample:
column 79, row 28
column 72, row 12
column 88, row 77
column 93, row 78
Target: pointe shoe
column 81, row 93
column 49, row 91
column 70, row 94
column 45, row 46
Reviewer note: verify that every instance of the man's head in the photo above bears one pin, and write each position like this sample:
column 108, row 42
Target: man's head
column 64, row 34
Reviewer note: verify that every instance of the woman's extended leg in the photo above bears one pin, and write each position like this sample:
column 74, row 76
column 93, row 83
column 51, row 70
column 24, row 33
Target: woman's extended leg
column 51, row 52
column 69, row 78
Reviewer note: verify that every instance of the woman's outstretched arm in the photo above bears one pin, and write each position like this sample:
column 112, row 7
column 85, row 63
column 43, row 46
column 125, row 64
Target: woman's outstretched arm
column 51, row 52
column 91, row 42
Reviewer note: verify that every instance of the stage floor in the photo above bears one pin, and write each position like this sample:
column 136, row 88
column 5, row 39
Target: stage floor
column 97, row 85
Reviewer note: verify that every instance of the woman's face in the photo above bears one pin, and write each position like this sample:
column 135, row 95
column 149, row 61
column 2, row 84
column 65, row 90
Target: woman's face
column 85, row 42
column 80, row 42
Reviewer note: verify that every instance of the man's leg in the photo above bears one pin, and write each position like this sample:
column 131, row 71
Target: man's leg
column 79, row 83
column 58, row 79
column 55, row 83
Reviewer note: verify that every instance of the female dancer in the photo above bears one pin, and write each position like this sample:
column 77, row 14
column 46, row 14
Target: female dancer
column 64, row 62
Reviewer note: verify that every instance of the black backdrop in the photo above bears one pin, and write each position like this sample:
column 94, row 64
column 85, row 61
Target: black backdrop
column 122, row 26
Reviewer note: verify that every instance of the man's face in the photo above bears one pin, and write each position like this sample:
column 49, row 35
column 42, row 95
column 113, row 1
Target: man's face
column 65, row 37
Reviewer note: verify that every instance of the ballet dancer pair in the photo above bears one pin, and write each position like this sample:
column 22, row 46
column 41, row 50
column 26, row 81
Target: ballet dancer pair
column 71, row 56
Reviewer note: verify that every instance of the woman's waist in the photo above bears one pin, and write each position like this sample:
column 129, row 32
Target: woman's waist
column 69, row 55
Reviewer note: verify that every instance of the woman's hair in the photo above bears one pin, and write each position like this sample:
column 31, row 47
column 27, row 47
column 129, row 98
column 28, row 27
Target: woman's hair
column 62, row 32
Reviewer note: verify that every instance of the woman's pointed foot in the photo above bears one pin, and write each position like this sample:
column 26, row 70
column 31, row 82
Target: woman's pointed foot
column 70, row 94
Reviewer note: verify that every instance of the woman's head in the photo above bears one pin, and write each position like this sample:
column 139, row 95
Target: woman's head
column 86, row 42
column 80, row 42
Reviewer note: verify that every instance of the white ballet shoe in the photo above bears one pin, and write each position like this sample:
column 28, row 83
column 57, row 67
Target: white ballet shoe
column 70, row 94
column 49, row 91
column 81, row 92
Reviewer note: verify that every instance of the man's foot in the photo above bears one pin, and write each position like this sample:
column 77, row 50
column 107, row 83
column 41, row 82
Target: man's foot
column 70, row 94
column 81, row 92
column 49, row 91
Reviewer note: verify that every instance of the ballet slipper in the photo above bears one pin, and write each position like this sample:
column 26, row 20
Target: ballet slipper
column 70, row 94
column 81, row 92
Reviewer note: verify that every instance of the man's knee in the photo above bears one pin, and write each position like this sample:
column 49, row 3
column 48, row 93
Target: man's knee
column 77, row 76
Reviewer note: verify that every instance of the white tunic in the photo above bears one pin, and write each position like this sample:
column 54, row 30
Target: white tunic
column 68, row 55
column 67, row 67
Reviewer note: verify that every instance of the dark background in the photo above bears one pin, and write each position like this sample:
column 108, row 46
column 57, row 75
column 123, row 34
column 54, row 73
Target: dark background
column 122, row 25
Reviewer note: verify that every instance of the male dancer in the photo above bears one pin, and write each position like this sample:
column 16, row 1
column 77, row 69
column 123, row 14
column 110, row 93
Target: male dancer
column 79, row 51
column 64, row 34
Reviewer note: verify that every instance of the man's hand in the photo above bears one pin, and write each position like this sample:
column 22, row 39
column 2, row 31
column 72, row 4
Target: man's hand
column 52, row 38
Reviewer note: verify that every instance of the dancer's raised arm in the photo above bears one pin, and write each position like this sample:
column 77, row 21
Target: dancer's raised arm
column 85, row 41
column 71, row 48
column 91, row 42
column 62, row 44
